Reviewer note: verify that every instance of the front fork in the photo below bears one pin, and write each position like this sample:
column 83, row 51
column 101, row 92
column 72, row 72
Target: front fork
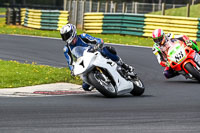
column 103, row 75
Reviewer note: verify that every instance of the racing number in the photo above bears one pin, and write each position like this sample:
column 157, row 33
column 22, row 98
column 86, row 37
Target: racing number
column 179, row 56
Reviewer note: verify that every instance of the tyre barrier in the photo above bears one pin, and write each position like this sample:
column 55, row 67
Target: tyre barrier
column 140, row 24
column 44, row 19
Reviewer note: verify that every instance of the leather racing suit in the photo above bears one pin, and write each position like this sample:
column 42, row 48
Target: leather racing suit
column 161, row 52
column 86, row 41
column 83, row 40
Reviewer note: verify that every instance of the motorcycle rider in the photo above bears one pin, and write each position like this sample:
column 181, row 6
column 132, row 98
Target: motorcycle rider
column 85, row 41
column 160, row 49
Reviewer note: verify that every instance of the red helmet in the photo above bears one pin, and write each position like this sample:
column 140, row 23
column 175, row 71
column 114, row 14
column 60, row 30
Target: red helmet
column 158, row 36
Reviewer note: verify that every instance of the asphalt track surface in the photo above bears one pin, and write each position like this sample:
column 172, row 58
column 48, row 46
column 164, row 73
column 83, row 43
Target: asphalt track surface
column 167, row 106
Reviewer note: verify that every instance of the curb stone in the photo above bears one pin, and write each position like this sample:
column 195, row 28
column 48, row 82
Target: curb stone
column 29, row 90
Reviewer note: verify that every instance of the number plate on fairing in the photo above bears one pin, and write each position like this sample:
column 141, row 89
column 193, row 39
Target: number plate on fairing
column 177, row 54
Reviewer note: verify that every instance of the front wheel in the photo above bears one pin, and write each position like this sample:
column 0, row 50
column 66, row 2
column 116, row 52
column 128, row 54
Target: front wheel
column 193, row 71
column 102, row 83
column 139, row 88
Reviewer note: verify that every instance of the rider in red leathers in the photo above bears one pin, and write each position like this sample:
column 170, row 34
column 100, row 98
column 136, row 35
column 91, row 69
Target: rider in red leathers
column 160, row 49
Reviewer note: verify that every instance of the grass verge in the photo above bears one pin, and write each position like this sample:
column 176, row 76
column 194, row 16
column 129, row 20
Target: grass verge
column 2, row 11
column 194, row 11
column 15, row 74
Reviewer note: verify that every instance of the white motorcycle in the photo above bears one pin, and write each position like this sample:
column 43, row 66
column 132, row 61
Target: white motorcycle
column 104, row 74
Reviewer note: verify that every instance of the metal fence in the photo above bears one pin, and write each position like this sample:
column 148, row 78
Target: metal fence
column 13, row 16
column 78, row 8
column 127, row 7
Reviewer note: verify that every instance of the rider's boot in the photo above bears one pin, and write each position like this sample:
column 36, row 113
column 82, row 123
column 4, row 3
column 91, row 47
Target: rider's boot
column 86, row 86
column 125, row 66
column 170, row 73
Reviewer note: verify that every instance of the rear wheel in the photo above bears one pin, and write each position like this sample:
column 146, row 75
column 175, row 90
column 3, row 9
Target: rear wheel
column 193, row 71
column 102, row 83
column 138, row 87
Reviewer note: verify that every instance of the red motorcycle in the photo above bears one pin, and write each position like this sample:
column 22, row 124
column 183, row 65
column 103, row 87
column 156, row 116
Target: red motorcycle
column 181, row 59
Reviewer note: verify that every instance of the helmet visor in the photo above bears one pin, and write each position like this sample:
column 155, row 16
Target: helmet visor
column 67, row 35
column 158, row 39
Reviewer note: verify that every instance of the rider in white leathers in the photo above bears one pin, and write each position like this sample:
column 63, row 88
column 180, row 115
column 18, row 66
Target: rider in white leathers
column 69, row 35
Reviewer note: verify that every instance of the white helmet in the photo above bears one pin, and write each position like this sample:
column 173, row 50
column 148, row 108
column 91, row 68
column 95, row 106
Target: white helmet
column 68, row 33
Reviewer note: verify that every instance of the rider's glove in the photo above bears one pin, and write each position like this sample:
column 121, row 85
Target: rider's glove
column 164, row 63
column 100, row 44
column 93, row 49
column 96, row 47
column 167, row 64
column 189, row 43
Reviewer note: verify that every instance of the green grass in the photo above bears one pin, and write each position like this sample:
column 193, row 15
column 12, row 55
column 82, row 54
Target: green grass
column 194, row 11
column 15, row 74
column 2, row 11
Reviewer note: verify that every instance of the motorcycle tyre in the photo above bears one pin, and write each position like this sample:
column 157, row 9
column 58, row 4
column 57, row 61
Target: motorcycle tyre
column 101, row 88
column 193, row 71
column 137, row 90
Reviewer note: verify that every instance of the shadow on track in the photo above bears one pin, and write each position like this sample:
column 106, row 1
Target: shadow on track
column 183, row 81
column 98, row 95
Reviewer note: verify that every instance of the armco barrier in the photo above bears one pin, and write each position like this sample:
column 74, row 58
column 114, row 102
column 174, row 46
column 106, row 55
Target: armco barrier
column 44, row 19
column 140, row 25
